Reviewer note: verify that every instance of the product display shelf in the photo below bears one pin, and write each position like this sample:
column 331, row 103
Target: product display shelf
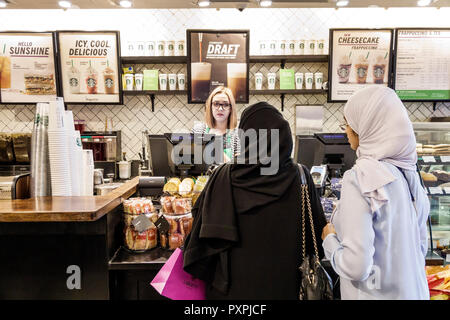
column 155, row 60
column 278, row 91
column 152, row 259
column 150, row 92
column 435, row 172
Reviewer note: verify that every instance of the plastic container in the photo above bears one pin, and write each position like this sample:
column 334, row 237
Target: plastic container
column 172, row 205
column 140, row 241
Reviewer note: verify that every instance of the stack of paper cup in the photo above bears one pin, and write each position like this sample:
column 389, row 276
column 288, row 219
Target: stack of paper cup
column 88, row 173
column 72, row 150
column 58, row 150
column 40, row 167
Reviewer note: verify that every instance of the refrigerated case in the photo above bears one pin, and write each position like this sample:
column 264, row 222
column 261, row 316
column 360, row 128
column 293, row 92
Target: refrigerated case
column 433, row 149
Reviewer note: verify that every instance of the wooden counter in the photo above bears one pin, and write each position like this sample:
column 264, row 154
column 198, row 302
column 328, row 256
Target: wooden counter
column 65, row 209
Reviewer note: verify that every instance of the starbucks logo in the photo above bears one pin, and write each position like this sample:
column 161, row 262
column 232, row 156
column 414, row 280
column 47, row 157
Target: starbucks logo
column 362, row 72
column 272, row 46
column 283, row 46
column 272, row 80
column 78, row 142
column 310, row 80
column 320, row 45
column 45, row 121
column 378, row 72
column 38, row 118
column 73, row 82
column 302, row 46
column 311, row 45
column 180, row 47
column 182, row 81
column 343, row 72
column 109, row 83
column 258, row 80
column 171, row 81
column 161, row 47
column 91, row 82
column 292, row 46
column 170, row 47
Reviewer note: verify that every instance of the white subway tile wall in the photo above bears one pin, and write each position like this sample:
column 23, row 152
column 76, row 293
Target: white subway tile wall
column 173, row 113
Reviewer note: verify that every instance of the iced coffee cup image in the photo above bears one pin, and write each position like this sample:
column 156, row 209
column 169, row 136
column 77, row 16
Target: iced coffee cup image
column 379, row 69
column 109, row 79
column 73, row 75
column 91, row 80
column 201, row 80
column 344, row 68
column 361, row 67
column 237, row 79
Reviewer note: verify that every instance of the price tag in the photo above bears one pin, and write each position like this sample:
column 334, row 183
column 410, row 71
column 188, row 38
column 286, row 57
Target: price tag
column 445, row 159
column 428, row 159
column 435, row 190
column 141, row 223
column 162, row 224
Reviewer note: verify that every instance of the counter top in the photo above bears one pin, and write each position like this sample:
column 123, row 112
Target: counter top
column 65, row 209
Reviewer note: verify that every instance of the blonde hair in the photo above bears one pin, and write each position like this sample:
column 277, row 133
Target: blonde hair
column 232, row 117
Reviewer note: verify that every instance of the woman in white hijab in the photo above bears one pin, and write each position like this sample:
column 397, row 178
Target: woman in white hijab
column 377, row 238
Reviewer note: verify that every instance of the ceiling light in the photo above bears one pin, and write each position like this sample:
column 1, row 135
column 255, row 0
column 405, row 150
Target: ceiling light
column 342, row 3
column 65, row 4
column 125, row 3
column 265, row 3
column 3, row 4
column 423, row 3
column 203, row 3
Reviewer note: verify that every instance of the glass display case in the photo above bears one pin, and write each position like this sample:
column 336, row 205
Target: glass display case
column 433, row 149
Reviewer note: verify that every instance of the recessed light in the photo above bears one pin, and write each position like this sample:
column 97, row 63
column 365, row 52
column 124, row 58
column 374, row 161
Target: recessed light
column 342, row 3
column 423, row 3
column 204, row 3
column 3, row 4
column 265, row 3
column 65, row 4
column 125, row 3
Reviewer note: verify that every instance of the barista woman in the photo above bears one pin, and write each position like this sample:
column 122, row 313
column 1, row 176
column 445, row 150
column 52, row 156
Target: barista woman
column 221, row 120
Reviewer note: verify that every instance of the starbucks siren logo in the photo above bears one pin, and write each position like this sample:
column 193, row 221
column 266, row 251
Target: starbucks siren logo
column 78, row 142
column 73, row 82
column 109, row 83
column 91, row 82
column 302, row 46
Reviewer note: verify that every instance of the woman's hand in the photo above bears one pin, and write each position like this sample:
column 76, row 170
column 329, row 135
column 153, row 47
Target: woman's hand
column 329, row 228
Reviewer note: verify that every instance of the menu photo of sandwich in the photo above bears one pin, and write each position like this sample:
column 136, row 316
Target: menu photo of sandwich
column 41, row 83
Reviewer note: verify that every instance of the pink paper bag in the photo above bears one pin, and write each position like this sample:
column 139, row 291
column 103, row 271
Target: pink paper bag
column 176, row 284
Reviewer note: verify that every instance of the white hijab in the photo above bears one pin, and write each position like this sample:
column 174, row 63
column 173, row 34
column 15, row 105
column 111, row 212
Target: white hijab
column 385, row 133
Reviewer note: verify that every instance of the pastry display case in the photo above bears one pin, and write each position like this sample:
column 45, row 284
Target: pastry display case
column 433, row 149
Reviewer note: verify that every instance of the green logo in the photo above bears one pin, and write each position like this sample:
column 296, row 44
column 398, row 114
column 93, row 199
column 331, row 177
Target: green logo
column 91, row 82
column 73, row 82
column 302, row 46
column 109, row 83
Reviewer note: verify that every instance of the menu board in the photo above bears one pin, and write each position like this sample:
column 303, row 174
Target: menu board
column 90, row 67
column 27, row 67
column 218, row 58
column 422, row 64
column 359, row 58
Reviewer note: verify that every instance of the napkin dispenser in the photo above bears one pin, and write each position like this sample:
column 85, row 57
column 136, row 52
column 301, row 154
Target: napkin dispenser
column 15, row 187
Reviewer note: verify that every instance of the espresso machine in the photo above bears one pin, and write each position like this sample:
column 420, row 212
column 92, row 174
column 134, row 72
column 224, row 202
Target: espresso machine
column 106, row 147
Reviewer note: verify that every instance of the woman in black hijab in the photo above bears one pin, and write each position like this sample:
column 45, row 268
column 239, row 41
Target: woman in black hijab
column 246, row 238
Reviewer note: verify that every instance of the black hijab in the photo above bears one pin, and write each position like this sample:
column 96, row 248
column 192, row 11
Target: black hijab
column 236, row 189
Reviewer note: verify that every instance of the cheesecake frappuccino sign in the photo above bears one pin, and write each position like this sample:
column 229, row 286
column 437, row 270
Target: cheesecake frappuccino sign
column 359, row 58
column 90, row 65
column 27, row 67
column 217, row 58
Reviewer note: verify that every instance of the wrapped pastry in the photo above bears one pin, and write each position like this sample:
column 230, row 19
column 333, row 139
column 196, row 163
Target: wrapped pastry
column 172, row 185
column 166, row 203
column 173, row 222
column 186, row 225
column 186, row 187
column 428, row 176
column 182, row 206
column 163, row 240
column 176, row 240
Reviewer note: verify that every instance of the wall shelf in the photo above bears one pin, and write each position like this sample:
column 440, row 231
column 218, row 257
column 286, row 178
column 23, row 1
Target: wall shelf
column 253, row 59
column 277, row 91
column 150, row 92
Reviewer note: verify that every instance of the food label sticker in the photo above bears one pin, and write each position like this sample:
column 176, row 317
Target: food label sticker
column 162, row 224
column 141, row 223
column 445, row 158
column 435, row 190
column 428, row 159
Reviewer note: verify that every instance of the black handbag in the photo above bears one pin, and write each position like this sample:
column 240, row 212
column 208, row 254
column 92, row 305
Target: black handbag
column 315, row 283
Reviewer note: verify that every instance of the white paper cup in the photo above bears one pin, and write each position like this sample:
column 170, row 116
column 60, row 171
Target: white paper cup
column 163, row 81
column 131, row 48
column 124, row 170
column 172, row 81
column 320, row 47
column 299, row 81
column 140, row 48
column 181, row 81
column 129, row 81
column 281, row 47
column 258, row 80
column 318, row 79
column 179, row 48
column 138, row 81
column 263, row 50
column 170, row 48
column 309, row 79
column 272, row 50
column 310, row 46
column 300, row 47
column 271, row 80
column 160, row 48
column 150, row 49
column 290, row 47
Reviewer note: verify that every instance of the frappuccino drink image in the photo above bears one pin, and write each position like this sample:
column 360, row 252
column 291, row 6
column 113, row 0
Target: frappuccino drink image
column 379, row 69
column 91, row 80
column 109, row 79
column 344, row 68
column 361, row 69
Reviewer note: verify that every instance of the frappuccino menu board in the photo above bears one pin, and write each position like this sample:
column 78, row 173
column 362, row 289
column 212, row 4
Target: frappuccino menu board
column 217, row 58
column 359, row 58
column 27, row 67
column 90, row 67
column 423, row 64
